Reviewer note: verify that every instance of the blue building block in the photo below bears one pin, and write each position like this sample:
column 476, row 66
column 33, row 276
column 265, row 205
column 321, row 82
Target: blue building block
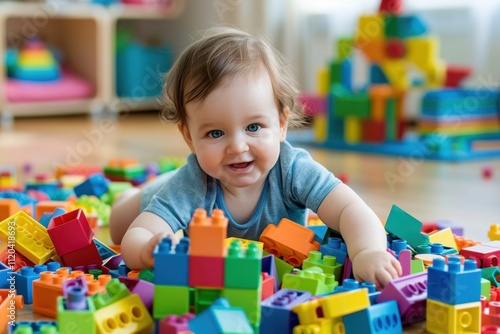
column 47, row 217
column 351, row 284
column 219, row 318
column 104, row 251
column 121, row 270
column 335, row 247
column 95, row 185
column 454, row 283
column 171, row 266
column 380, row 318
column 24, row 281
column 277, row 316
column 377, row 76
column 33, row 327
column 5, row 273
column 403, row 26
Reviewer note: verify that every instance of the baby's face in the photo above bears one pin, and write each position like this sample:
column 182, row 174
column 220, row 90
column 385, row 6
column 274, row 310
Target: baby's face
column 236, row 131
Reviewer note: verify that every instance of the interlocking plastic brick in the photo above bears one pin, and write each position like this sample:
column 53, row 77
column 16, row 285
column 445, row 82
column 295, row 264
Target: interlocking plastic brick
column 335, row 247
column 289, row 240
column 85, row 256
column 8, row 300
column 35, row 327
column 203, row 298
column 454, row 283
column 207, row 234
column 175, row 324
column 75, row 321
column 380, row 318
column 247, row 299
column 115, row 291
column 312, row 279
column 328, row 263
column 220, row 317
column 269, row 266
column 485, row 254
column 461, row 318
column 24, row 281
column 31, row 238
column 410, row 292
column 277, row 316
column 163, row 297
column 172, row 265
column 144, row 289
column 49, row 207
column 95, row 185
column 70, row 232
column 206, row 271
column 351, row 301
column 405, row 227
column 242, row 267
column 127, row 315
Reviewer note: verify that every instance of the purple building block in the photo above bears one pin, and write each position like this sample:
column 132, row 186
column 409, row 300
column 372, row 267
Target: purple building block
column 144, row 289
column 410, row 292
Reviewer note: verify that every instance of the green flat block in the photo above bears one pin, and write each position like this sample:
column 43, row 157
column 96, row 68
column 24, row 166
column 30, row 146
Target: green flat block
column 417, row 266
column 169, row 299
column 243, row 267
column 247, row 299
column 406, row 227
column 75, row 321
column 485, row 288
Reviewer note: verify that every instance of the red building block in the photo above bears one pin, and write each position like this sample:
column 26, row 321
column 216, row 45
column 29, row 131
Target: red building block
column 70, row 232
column 395, row 48
column 174, row 324
column 206, row 271
column 391, row 7
column 267, row 286
column 207, row 234
column 455, row 75
column 19, row 259
column 373, row 131
column 83, row 256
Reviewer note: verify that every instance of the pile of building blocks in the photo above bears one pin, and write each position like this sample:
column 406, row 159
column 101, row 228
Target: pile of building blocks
column 454, row 123
column 292, row 280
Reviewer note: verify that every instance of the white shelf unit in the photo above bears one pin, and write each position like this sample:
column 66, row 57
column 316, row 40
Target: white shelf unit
column 85, row 33
column 79, row 31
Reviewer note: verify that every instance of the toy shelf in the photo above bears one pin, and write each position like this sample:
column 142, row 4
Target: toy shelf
column 85, row 34
column 79, row 32
column 146, row 21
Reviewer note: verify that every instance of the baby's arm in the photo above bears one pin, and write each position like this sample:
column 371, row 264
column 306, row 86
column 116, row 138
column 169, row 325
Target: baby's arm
column 141, row 238
column 344, row 211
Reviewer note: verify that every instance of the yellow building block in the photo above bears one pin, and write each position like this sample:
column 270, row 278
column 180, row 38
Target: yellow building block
column 323, row 80
column 342, row 303
column 353, row 130
column 127, row 315
column 396, row 72
column 444, row 237
column 494, row 232
column 370, row 27
column 306, row 312
column 324, row 326
column 320, row 126
column 436, row 74
column 28, row 237
column 244, row 242
column 422, row 52
column 461, row 318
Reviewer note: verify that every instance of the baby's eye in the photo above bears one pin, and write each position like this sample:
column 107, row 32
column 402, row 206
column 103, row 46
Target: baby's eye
column 253, row 127
column 215, row 134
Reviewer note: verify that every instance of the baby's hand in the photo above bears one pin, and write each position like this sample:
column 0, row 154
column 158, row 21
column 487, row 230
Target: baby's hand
column 147, row 252
column 376, row 266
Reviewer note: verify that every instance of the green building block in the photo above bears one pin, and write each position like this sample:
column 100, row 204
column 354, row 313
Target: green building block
column 485, row 288
column 406, row 227
column 347, row 103
column 167, row 164
column 491, row 274
column 311, row 279
column 345, row 46
column 335, row 72
column 282, row 267
column 391, row 120
column 147, row 275
column 114, row 190
column 170, row 299
column 115, row 290
column 203, row 298
column 328, row 263
column 243, row 267
column 75, row 321
column 417, row 266
column 247, row 299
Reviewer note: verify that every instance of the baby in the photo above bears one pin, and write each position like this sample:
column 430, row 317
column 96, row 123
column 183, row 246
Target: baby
column 233, row 100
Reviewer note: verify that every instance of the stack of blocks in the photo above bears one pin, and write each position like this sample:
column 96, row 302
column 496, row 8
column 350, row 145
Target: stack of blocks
column 200, row 270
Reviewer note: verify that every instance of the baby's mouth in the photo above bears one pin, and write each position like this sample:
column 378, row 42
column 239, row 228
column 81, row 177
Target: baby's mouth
column 241, row 164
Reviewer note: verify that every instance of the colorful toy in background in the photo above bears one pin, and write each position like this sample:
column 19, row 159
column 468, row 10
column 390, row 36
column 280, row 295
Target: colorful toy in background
column 454, row 123
column 140, row 65
column 33, row 62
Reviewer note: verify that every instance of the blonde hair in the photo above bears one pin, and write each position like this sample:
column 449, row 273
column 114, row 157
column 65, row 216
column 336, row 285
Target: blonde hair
column 221, row 54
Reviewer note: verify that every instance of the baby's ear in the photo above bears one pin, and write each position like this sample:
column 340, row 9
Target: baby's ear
column 186, row 135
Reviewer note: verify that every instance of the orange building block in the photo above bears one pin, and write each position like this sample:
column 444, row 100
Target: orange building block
column 207, row 234
column 289, row 240
column 49, row 207
column 9, row 303
column 10, row 206
column 373, row 49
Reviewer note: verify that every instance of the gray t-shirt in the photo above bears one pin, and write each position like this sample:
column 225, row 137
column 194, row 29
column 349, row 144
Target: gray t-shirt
column 296, row 183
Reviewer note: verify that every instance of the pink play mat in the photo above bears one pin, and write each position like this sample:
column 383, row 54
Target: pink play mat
column 69, row 87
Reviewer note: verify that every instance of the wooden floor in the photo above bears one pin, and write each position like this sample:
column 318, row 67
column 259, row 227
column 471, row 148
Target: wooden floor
column 429, row 191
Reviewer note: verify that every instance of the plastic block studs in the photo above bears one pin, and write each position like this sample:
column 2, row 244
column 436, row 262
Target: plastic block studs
column 242, row 267
column 171, row 265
